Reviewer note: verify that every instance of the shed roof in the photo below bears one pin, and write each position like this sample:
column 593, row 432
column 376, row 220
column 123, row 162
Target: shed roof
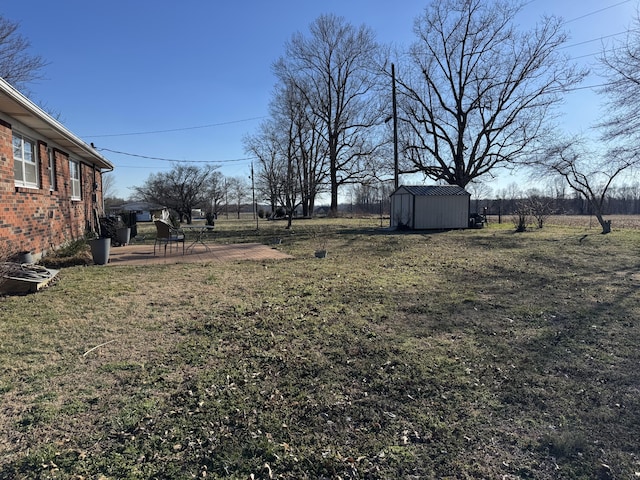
column 432, row 190
column 15, row 104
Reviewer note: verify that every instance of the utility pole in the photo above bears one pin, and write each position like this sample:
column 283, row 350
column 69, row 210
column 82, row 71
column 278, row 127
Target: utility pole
column 395, row 128
column 226, row 198
column 253, row 193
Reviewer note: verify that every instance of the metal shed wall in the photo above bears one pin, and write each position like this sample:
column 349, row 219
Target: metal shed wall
column 441, row 212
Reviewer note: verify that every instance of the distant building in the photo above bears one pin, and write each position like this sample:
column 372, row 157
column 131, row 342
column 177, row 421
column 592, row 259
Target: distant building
column 430, row 207
column 144, row 211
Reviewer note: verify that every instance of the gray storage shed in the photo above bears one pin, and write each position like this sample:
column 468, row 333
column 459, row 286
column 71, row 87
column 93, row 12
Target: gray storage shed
column 430, row 207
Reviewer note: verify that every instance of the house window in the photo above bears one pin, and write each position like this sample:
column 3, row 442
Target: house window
column 74, row 170
column 52, row 170
column 25, row 162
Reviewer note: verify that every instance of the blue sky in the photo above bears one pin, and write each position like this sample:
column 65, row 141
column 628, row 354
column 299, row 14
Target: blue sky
column 198, row 72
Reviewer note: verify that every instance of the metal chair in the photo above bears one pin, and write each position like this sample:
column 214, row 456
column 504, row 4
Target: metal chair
column 167, row 234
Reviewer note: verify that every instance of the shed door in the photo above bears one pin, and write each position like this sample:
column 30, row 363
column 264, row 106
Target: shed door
column 402, row 210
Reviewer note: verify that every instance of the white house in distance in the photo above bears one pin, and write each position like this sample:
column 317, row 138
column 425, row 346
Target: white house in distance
column 430, row 207
column 144, row 211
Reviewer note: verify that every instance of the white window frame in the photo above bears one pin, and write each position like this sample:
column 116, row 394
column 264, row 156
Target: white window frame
column 22, row 162
column 52, row 170
column 74, row 180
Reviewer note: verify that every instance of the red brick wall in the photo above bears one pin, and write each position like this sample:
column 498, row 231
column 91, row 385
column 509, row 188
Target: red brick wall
column 37, row 220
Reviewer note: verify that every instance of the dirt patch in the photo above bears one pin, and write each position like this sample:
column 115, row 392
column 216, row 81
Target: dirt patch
column 144, row 254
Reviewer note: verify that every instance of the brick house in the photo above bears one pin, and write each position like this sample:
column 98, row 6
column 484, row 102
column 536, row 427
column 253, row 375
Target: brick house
column 50, row 180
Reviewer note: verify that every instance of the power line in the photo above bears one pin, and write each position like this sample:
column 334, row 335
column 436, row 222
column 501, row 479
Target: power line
column 594, row 40
column 173, row 160
column 133, row 166
column 587, row 87
column 596, row 11
column 151, row 132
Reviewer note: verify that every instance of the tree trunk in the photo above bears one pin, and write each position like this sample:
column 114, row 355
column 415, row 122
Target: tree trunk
column 605, row 224
column 333, row 174
column 333, row 210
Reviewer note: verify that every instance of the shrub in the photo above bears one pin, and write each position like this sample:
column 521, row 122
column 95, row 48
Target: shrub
column 521, row 216
column 4, row 256
column 74, row 252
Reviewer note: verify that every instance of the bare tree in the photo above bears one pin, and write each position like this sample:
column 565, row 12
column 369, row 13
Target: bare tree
column 215, row 194
column 591, row 173
column 109, row 191
column 238, row 192
column 587, row 172
column 108, row 185
column 556, row 188
column 479, row 191
column 621, row 68
column 291, row 119
column 182, row 189
column 478, row 93
column 540, row 206
column 521, row 215
column 332, row 69
column 302, row 147
column 312, row 169
column 265, row 145
column 17, row 66
column 292, row 155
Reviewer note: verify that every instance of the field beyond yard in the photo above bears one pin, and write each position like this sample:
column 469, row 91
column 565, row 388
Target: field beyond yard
column 482, row 354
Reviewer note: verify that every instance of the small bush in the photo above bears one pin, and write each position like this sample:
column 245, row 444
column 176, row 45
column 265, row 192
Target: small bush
column 74, row 252
column 4, row 256
column 72, row 248
column 521, row 216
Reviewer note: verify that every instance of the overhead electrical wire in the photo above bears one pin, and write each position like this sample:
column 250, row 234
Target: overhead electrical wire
column 231, row 122
column 596, row 11
column 151, row 132
column 588, row 87
column 174, row 160
column 594, row 40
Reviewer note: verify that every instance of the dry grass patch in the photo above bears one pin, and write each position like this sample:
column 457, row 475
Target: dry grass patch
column 469, row 354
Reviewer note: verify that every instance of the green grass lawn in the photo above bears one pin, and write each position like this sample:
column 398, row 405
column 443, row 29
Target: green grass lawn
column 463, row 354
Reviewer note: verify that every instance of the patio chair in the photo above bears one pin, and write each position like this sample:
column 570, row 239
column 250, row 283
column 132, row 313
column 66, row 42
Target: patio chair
column 167, row 234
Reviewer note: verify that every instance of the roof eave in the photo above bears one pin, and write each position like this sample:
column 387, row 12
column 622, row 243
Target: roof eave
column 18, row 106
